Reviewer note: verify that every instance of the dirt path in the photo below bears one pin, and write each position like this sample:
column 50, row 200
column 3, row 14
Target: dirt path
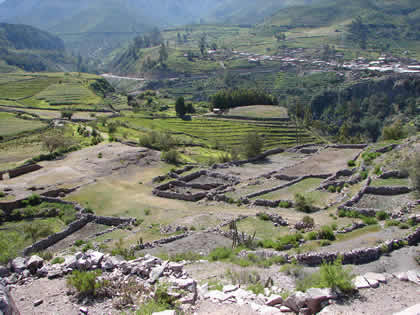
column 53, row 293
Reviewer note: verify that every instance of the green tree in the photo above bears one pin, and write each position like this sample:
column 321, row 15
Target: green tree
column 253, row 144
column 163, row 53
column 180, row 107
column 358, row 32
column 202, row 44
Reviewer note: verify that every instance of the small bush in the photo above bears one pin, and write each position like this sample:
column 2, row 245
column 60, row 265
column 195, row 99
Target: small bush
column 331, row 275
column 303, row 204
column 2, row 194
column 382, row 215
column 351, row 163
column 220, row 253
column 364, row 175
column 85, row 282
column 377, row 170
column 369, row 220
column 285, row 204
column 79, row 243
column 171, row 156
column 147, row 212
column 57, row 260
column 308, row 221
column 100, row 155
column 257, row 288
column 121, row 250
column 325, row 243
column 46, row 255
column 404, row 226
column 392, row 223
column 332, row 189
column 32, row 200
column 311, row 236
column 87, row 247
column 326, row 233
column 263, row 216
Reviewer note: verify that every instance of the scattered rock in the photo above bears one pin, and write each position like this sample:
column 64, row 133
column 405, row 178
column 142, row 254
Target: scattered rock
column 157, row 272
column 375, row 276
column 168, row 312
column 217, row 296
column 274, row 300
column 296, row 301
column 401, row 276
column 414, row 310
column 4, row 272
column 34, row 263
column 7, row 305
column 316, row 297
column 230, row 288
column 361, row 283
column 413, row 276
column 285, row 309
column 18, row 264
column 38, row 302
column 84, row 310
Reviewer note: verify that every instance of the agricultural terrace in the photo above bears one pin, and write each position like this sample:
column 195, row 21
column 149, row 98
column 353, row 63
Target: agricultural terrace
column 11, row 124
column 223, row 132
column 53, row 91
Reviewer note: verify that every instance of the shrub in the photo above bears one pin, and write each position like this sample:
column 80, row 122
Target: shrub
column 364, row 175
column 79, row 243
column 100, row 155
column 121, row 250
column 87, row 247
column 57, row 260
column 303, row 204
column 257, row 288
column 382, row 215
column 369, row 220
column 37, row 230
column 377, row 170
column 311, row 236
column 220, row 253
column 2, row 194
column 325, row 243
column 85, row 282
column 147, row 212
column 394, row 131
column 326, row 233
column 171, row 156
column 332, row 189
column 308, row 221
column 392, row 223
column 263, row 216
column 157, row 140
column 331, row 275
column 252, row 144
column 32, row 200
column 404, row 226
column 351, row 163
column 46, row 255
column 285, row 204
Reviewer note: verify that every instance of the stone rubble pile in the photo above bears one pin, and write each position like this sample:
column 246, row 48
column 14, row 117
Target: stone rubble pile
column 271, row 302
column 147, row 270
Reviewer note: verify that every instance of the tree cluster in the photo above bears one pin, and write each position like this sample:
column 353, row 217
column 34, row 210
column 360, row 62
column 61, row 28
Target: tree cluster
column 182, row 108
column 242, row 97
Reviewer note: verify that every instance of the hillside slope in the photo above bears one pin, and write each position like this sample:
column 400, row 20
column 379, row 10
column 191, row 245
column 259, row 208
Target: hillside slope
column 30, row 49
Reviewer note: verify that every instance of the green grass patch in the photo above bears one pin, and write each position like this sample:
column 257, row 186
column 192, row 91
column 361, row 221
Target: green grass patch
column 11, row 124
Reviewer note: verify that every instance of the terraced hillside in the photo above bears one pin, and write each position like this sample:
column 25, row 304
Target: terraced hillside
column 226, row 132
column 53, row 91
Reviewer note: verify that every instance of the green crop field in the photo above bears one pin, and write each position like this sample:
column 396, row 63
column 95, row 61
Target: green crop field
column 24, row 89
column 67, row 94
column 259, row 111
column 10, row 124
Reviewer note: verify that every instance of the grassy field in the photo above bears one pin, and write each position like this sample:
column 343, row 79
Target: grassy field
column 259, row 111
column 10, row 124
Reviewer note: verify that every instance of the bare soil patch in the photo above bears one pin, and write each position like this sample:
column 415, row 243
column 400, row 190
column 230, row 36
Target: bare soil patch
column 326, row 162
column 271, row 163
column 82, row 167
